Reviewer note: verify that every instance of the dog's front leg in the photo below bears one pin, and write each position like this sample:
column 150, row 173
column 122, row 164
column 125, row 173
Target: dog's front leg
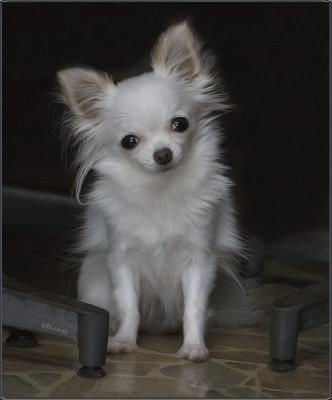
column 125, row 294
column 197, row 283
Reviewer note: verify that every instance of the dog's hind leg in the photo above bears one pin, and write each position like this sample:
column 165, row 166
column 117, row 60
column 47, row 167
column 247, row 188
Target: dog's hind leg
column 94, row 284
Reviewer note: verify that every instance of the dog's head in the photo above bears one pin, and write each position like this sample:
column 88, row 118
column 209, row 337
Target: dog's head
column 150, row 121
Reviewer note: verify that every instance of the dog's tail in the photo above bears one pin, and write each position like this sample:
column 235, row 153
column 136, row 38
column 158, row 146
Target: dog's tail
column 234, row 305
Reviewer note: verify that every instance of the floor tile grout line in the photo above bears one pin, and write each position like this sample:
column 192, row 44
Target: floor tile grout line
column 48, row 390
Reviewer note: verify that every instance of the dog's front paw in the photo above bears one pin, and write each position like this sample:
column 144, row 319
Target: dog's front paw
column 194, row 352
column 117, row 345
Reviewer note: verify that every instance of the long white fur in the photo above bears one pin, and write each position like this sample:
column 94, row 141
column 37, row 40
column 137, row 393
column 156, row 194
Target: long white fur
column 153, row 238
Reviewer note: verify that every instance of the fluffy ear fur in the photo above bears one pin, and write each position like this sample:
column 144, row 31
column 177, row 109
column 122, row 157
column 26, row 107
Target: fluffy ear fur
column 84, row 91
column 87, row 94
column 177, row 52
column 178, row 55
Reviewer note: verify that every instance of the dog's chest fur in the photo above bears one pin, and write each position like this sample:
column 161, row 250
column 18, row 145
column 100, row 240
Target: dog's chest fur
column 159, row 219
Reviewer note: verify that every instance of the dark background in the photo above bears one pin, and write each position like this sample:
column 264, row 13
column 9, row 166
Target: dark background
column 274, row 59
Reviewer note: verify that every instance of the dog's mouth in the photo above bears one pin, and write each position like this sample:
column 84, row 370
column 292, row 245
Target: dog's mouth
column 171, row 165
column 165, row 168
column 155, row 168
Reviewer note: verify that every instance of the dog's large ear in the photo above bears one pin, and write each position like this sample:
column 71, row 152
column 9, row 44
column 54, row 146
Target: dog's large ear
column 85, row 91
column 177, row 52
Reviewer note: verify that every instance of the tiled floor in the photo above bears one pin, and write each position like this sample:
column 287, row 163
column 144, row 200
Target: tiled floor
column 237, row 367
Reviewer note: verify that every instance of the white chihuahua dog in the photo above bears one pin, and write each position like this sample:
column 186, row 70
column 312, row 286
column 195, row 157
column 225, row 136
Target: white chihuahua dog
column 159, row 216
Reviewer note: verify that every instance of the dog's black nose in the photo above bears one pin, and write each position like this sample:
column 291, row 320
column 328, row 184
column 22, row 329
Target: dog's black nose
column 163, row 156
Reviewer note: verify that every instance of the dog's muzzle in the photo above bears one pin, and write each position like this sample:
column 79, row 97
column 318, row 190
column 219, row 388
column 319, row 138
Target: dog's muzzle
column 163, row 156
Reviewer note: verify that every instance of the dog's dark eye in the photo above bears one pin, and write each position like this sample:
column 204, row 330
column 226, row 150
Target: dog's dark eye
column 179, row 124
column 129, row 142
